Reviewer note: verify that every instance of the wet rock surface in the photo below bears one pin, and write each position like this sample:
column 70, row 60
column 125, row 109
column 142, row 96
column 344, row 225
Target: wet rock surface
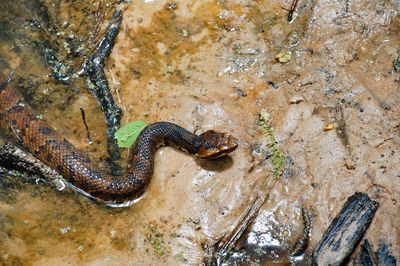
column 334, row 107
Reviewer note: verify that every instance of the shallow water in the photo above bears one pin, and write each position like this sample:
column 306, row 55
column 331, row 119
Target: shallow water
column 203, row 65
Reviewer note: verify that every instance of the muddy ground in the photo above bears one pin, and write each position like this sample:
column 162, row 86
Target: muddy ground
column 333, row 106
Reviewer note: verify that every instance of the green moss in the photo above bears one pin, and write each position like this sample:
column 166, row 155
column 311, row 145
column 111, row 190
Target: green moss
column 158, row 244
column 180, row 258
column 284, row 56
column 272, row 145
column 156, row 240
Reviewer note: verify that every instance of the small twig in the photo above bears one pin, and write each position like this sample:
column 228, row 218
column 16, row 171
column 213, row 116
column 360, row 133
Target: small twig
column 116, row 84
column 86, row 126
column 291, row 11
column 227, row 243
column 117, row 92
column 115, row 81
column 302, row 243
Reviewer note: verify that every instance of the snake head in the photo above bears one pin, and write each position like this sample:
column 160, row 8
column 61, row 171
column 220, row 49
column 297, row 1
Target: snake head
column 216, row 144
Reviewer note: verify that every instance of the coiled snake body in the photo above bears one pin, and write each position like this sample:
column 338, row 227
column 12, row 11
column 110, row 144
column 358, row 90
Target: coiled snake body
column 19, row 120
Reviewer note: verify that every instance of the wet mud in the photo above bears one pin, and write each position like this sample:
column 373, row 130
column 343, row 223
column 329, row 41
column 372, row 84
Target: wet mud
column 329, row 83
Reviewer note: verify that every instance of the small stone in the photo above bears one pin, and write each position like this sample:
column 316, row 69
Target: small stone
column 185, row 33
column 329, row 127
column 65, row 230
column 113, row 233
column 172, row 6
column 296, row 99
column 350, row 164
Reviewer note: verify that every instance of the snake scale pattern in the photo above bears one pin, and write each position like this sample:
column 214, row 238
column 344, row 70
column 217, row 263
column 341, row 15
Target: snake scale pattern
column 32, row 133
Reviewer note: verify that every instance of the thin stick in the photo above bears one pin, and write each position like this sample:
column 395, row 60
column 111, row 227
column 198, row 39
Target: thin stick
column 86, row 126
column 291, row 11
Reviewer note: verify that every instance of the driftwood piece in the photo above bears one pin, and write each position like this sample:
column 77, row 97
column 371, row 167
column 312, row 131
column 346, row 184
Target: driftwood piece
column 396, row 62
column 92, row 70
column 98, row 84
column 20, row 163
column 345, row 231
column 383, row 256
column 302, row 243
column 367, row 257
column 14, row 158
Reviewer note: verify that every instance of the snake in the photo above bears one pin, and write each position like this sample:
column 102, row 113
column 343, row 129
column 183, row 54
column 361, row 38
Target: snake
column 33, row 134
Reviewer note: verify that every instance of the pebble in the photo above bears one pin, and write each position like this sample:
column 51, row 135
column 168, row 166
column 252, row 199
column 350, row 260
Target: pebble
column 296, row 99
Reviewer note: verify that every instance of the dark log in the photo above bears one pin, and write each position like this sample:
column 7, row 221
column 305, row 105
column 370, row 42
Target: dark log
column 345, row 231
column 367, row 257
column 93, row 70
column 396, row 62
column 14, row 158
column 98, row 86
column 384, row 257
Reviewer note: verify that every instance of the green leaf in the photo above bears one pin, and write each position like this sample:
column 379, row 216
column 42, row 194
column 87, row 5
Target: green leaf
column 127, row 135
